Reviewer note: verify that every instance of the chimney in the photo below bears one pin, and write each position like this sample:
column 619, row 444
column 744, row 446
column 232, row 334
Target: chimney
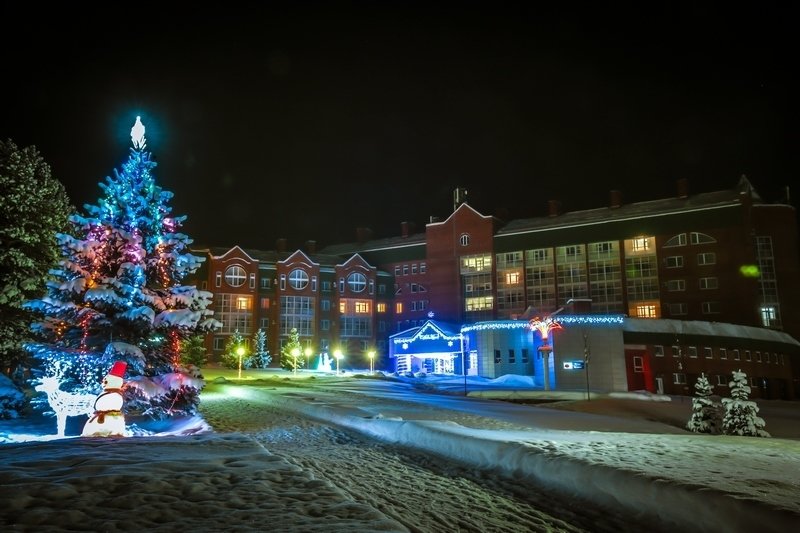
column 553, row 208
column 311, row 247
column 615, row 199
column 280, row 245
column 683, row 188
column 406, row 229
column 363, row 235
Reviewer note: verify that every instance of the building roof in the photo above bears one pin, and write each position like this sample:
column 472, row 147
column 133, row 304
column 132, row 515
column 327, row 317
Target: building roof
column 702, row 328
column 273, row 257
column 676, row 205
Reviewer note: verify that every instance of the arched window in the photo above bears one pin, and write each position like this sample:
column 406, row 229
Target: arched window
column 298, row 279
column 677, row 240
column 235, row 276
column 700, row 238
column 357, row 282
column 464, row 239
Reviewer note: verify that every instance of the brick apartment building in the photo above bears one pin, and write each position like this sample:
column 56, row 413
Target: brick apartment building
column 722, row 257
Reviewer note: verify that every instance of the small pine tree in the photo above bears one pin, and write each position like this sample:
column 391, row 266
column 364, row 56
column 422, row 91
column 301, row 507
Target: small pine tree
column 261, row 356
column 230, row 358
column 741, row 415
column 288, row 361
column 705, row 412
column 193, row 351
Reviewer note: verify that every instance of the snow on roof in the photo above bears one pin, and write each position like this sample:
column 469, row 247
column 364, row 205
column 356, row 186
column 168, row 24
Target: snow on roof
column 697, row 327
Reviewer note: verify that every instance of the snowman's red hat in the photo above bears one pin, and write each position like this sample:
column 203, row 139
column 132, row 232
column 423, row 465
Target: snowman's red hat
column 118, row 369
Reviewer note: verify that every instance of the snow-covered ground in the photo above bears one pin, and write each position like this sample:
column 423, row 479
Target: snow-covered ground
column 629, row 455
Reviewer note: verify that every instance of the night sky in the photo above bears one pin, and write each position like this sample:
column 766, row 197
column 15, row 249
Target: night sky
column 305, row 120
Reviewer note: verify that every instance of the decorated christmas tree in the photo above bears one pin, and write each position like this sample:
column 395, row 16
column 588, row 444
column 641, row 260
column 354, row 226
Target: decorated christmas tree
column 705, row 412
column 117, row 294
column 741, row 414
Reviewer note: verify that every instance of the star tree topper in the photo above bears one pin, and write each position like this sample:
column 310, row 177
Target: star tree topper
column 137, row 134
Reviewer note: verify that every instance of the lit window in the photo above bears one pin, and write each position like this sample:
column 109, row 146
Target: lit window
column 398, row 307
column 235, row 276
column 512, row 278
column 342, row 307
column 357, row 282
column 646, row 311
column 640, row 244
column 381, row 308
column 298, row 279
column 265, row 303
column 768, row 316
column 362, row 307
column 243, row 303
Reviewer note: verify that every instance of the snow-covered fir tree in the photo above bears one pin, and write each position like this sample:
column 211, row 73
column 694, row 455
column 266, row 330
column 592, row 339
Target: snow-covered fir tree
column 292, row 352
column 741, row 414
column 33, row 208
column 117, row 294
column 261, row 356
column 705, row 412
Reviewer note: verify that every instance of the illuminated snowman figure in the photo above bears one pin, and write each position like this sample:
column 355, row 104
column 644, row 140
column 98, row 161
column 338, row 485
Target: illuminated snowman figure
column 108, row 420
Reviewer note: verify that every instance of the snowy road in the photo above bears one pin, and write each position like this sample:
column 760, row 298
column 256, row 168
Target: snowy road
column 426, row 494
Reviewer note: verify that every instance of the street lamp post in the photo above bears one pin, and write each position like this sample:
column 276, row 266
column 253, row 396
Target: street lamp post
column 295, row 353
column 338, row 355
column 544, row 326
column 371, row 355
column 586, row 353
column 240, row 353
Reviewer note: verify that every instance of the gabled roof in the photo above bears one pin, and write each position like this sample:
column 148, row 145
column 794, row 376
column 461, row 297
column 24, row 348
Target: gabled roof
column 463, row 207
column 299, row 255
column 356, row 258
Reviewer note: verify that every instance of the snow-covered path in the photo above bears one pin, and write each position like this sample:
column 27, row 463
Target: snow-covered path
column 695, row 482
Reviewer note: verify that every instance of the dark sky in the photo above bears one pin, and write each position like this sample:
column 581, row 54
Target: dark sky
column 305, row 120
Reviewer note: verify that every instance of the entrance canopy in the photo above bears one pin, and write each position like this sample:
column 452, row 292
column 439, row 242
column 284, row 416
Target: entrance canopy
column 431, row 340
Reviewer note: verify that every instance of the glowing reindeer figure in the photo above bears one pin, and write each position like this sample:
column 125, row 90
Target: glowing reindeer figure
column 65, row 403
